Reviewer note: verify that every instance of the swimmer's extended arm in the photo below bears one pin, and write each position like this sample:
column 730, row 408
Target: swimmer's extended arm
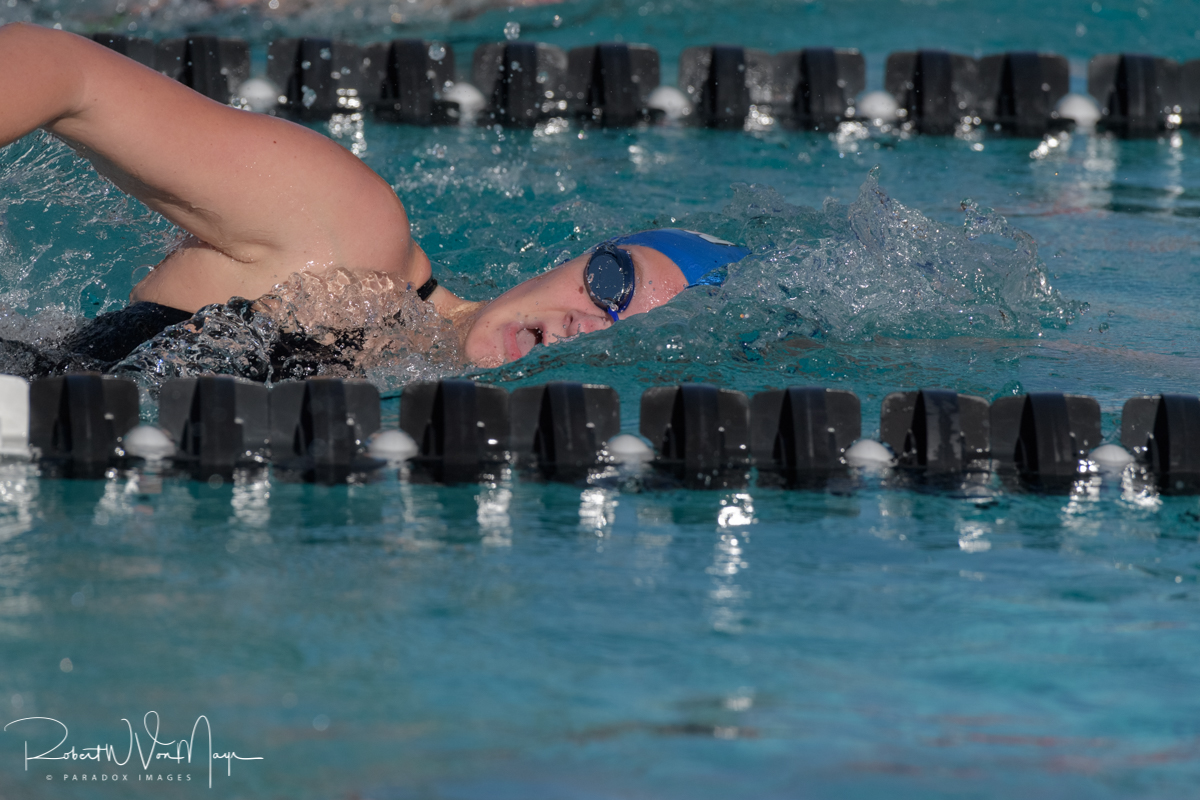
column 263, row 196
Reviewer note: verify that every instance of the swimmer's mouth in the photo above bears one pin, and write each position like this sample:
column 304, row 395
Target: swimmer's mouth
column 523, row 340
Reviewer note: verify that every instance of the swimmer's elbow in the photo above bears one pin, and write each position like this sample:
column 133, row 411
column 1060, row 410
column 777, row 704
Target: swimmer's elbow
column 41, row 76
column 15, row 37
column 11, row 29
column 22, row 33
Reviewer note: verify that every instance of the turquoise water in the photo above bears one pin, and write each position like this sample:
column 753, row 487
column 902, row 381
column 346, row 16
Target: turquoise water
column 529, row 640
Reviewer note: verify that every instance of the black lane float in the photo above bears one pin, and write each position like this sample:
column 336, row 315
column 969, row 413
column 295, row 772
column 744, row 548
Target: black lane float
column 461, row 429
column 559, row 429
column 1018, row 92
column 800, row 435
column 524, row 83
column 1045, row 437
column 320, row 428
column 700, row 434
column 1164, row 433
column 318, row 78
column 816, row 87
column 935, row 431
column 410, row 81
column 1139, row 95
column 325, row 430
column 76, row 423
column 937, row 91
column 406, row 81
column 218, row 424
column 723, row 81
column 609, row 84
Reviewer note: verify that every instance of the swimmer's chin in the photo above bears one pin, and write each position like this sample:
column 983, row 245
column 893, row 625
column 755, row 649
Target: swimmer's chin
column 473, row 340
column 484, row 342
column 487, row 347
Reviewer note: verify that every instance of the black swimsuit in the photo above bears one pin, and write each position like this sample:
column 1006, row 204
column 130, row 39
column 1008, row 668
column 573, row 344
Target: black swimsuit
column 108, row 339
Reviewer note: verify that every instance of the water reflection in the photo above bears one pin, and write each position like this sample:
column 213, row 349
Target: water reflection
column 972, row 536
column 1138, row 492
column 1082, row 515
column 420, row 514
column 736, row 511
column 251, row 500
column 895, row 516
column 727, row 595
column 597, row 510
column 18, row 494
column 1128, row 177
column 348, row 128
column 117, row 502
column 1100, row 169
column 729, row 560
column 492, row 513
column 1174, row 172
column 653, row 522
column 1052, row 143
column 651, row 559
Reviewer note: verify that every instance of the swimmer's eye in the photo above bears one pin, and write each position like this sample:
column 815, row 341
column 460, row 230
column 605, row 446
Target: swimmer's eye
column 610, row 279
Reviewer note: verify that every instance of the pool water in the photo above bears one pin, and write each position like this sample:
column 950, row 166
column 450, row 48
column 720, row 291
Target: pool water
column 535, row 640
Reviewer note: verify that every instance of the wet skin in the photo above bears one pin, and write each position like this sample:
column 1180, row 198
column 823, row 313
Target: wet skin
column 555, row 305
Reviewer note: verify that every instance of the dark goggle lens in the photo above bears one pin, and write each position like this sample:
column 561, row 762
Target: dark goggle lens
column 609, row 280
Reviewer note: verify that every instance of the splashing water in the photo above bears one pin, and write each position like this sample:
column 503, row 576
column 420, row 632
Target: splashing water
column 336, row 323
column 871, row 270
column 868, row 271
column 881, row 269
column 78, row 258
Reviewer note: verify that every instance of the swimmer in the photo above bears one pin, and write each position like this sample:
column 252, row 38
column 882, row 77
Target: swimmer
column 262, row 198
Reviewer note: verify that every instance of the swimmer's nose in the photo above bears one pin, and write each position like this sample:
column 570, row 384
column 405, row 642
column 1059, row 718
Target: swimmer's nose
column 575, row 324
column 586, row 323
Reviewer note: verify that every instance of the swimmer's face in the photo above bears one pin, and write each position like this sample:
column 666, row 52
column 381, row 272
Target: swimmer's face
column 555, row 305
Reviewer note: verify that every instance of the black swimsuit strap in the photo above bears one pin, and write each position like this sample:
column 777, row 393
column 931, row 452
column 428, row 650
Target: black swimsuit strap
column 427, row 288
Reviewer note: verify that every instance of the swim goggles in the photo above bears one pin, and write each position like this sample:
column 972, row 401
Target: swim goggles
column 609, row 278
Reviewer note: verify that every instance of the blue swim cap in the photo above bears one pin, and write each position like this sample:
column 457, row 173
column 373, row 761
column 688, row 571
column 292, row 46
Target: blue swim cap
column 697, row 254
